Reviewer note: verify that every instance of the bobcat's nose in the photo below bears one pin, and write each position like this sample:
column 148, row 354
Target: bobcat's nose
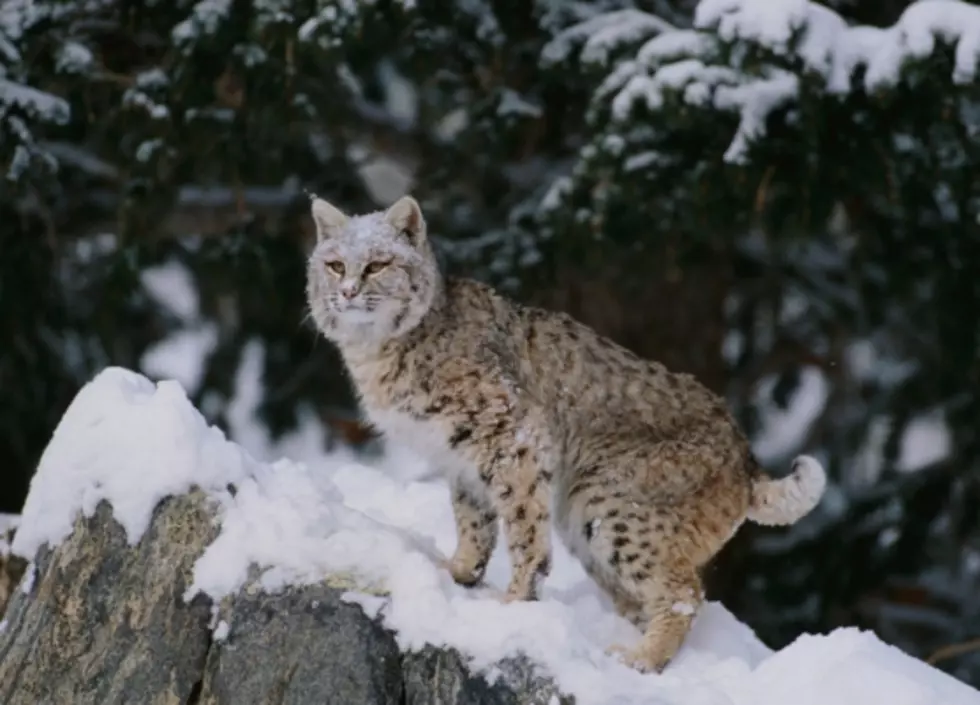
column 348, row 291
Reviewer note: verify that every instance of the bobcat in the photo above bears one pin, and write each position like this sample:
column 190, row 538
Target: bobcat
column 535, row 418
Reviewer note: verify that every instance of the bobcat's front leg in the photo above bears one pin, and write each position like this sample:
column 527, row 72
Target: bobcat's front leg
column 521, row 496
column 476, row 533
column 511, row 464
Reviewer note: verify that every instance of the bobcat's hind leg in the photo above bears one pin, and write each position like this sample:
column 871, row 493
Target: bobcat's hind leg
column 672, row 600
column 644, row 520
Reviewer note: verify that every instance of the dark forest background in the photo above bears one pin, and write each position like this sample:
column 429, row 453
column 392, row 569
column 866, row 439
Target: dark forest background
column 795, row 225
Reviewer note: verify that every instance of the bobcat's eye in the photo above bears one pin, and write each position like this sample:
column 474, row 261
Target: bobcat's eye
column 375, row 267
column 336, row 267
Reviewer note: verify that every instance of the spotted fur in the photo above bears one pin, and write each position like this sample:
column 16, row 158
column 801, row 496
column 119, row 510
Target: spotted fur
column 537, row 420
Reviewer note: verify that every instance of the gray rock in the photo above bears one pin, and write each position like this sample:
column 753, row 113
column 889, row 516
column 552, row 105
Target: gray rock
column 440, row 677
column 302, row 646
column 105, row 623
column 11, row 569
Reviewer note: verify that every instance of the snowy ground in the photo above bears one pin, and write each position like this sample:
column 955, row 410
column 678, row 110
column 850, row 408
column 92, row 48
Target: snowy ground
column 132, row 442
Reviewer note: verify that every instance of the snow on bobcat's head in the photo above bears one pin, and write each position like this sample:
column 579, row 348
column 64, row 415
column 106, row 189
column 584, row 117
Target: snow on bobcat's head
column 370, row 277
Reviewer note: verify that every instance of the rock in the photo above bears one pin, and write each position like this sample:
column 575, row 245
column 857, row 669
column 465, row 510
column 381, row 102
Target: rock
column 302, row 646
column 439, row 677
column 106, row 623
column 11, row 568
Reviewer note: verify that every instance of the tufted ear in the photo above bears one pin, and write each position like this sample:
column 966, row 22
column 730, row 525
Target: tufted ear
column 406, row 217
column 327, row 218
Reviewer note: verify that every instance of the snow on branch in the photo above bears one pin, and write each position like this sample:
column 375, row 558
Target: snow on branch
column 827, row 46
column 204, row 20
column 755, row 101
column 678, row 44
column 40, row 105
column 703, row 67
column 21, row 107
column 601, row 35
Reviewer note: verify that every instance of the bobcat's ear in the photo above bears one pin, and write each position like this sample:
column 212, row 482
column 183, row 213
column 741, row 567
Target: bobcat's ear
column 327, row 218
column 406, row 217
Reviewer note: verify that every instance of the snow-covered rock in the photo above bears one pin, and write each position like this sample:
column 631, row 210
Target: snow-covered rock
column 332, row 538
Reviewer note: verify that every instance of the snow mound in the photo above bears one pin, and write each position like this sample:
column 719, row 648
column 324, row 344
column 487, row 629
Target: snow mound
column 131, row 442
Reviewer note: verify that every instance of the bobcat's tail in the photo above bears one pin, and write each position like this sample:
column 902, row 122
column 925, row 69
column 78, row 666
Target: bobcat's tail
column 788, row 499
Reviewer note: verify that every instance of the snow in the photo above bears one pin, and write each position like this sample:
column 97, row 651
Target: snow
column 330, row 516
column 332, row 17
column 642, row 160
column 675, row 63
column 765, row 22
column 244, row 426
column 8, row 52
column 181, row 355
column 131, row 442
column 172, row 287
column 690, row 78
column 602, row 34
column 133, row 98
column 559, row 189
column 386, row 179
column 74, row 57
column 19, row 163
column 451, row 124
column 401, row 97
column 689, row 63
column 683, row 608
column 44, row 106
column 754, row 101
column 513, row 105
column 869, row 461
column 671, row 46
column 733, row 346
column 868, row 362
column 16, row 16
column 205, row 18
column 783, row 431
column 924, row 441
column 147, row 148
column 927, row 440
column 221, row 631
column 915, row 36
column 30, row 575
column 832, row 49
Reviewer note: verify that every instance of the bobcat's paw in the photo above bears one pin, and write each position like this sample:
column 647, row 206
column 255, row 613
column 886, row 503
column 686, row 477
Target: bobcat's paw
column 465, row 572
column 638, row 658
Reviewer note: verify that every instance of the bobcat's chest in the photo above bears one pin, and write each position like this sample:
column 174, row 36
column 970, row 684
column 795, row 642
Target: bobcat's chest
column 396, row 409
column 428, row 438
